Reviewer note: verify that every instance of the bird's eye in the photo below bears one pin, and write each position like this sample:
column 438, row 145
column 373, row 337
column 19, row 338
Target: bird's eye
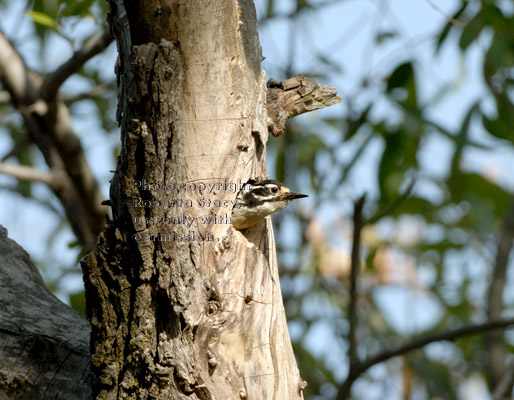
column 274, row 190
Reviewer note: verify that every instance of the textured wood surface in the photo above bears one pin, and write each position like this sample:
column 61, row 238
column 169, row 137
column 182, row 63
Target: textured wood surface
column 175, row 318
column 295, row 96
column 44, row 344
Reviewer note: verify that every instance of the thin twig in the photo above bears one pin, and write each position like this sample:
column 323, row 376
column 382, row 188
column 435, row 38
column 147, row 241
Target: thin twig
column 437, row 337
column 356, row 156
column 19, row 146
column 450, row 19
column 296, row 12
column 358, row 223
column 415, row 344
column 26, row 173
column 95, row 45
column 505, row 384
column 496, row 288
column 95, row 91
column 397, row 202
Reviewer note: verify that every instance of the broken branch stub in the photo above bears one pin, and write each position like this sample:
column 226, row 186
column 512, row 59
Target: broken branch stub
column 295, row 96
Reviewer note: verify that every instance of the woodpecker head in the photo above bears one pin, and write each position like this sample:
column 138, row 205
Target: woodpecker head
column 260, row 200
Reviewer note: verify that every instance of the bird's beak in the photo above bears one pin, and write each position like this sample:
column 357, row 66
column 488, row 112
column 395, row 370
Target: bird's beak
column 291, row 196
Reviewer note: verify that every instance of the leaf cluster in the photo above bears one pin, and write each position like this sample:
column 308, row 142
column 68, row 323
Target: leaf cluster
column 435, row 219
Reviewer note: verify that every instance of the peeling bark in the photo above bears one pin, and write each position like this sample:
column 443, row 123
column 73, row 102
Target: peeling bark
column 295, row 96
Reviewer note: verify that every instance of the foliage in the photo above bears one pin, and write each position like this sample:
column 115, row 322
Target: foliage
column 433, row 237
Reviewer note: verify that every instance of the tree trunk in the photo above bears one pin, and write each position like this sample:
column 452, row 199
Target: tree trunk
column 43, row 342
column 181, row 304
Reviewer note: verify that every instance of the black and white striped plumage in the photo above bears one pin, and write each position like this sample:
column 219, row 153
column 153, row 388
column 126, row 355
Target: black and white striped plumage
column 260, row 200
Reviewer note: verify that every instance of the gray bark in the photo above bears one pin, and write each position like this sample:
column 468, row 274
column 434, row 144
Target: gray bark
column 45, row 344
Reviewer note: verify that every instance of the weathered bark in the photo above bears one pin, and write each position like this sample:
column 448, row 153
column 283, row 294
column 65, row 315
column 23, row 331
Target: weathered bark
column 181, row 307
column 295, row 96
column 44, row 343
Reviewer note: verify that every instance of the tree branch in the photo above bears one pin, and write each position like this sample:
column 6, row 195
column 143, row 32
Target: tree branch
column 495, row 295
column 437, row 337
column 95, row 45
column 5, row 97
column 26, row 173
column 95, row 91
column 15, row 75
column 43, row 342
column 450, row 19
column 415, row 344
column 396, row 203
column 358, row 223
column 50, row 128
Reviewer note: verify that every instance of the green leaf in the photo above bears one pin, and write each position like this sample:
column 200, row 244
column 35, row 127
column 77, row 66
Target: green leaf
column 382, row 37
column 449, row 26
column 487, row 200
column 434, row 375
column 413, row 205
column 440, row 247
column 453, row 137
column 75, row 8
column 325, row 60
column 49, row 7
column 400, row 76
column 356, row 156
column 495, row 18
column 78, row 302
column 501, row 127
column 42, row 19
column 301, row 4
column 354, row 123
column 471, row 31
column 402, row 87
column 398, row 158
column 461, row 140
column 336, row 123
column 498, row 56
column 269, row 8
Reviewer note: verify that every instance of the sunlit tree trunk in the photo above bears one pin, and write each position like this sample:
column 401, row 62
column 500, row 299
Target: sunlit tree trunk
column 181, row 304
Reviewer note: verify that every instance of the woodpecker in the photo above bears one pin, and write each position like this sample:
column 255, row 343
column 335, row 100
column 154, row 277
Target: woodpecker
column 259, row 199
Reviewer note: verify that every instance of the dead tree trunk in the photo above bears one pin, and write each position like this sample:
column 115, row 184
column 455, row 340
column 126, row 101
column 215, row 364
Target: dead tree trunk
column 181, row 304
